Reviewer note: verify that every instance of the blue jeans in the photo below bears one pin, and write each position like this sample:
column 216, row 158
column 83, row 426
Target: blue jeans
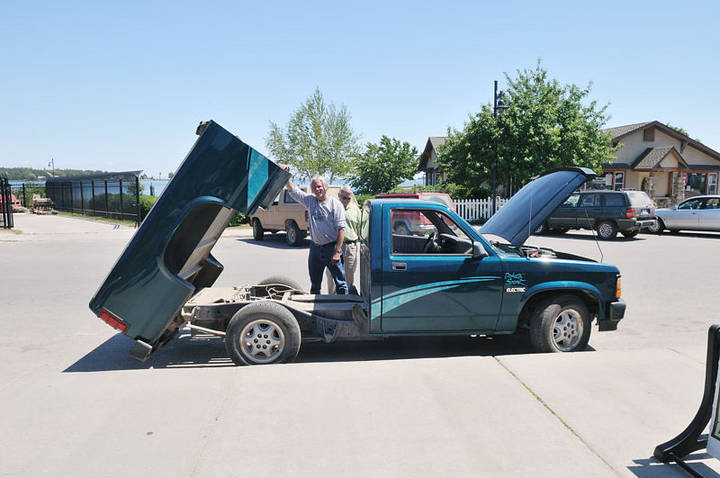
column 321, row 257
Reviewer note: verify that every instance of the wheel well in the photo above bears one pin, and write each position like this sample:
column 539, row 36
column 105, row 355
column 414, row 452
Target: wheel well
column 290, row 222
column 588, row 299
column 256, row 219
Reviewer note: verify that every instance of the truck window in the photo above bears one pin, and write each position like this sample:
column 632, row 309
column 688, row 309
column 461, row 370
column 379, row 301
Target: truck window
column 288, row 199
column 572, row 201
column 416, row 231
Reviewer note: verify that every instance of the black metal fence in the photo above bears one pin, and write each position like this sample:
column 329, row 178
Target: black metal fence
column 6, row 212
column 111, row 198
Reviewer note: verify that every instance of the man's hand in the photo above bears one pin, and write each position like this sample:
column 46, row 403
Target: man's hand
column 336, row 257
column 286, row 167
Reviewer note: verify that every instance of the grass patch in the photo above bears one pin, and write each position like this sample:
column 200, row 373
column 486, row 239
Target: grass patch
column 108, row 220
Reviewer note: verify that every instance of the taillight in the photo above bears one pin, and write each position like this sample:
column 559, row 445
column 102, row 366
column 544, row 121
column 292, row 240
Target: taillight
column 112, row 321
column 307, row 216
column 618, row 288
column 629, row 213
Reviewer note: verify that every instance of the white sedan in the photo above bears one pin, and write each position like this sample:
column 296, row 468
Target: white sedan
column 699, row 213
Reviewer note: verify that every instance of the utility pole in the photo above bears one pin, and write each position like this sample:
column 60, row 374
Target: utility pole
column 498, row 105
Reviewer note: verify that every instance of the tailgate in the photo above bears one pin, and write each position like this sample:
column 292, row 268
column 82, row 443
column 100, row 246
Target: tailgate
column 168, row 258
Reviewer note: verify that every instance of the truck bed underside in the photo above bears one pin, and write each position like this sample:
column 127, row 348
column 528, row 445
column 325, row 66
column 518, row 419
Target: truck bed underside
column 321, row 317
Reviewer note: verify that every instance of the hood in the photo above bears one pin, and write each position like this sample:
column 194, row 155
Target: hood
column 533, row 204
column 168, row 259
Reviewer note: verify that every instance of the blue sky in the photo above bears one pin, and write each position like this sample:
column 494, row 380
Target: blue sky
column 122, row 85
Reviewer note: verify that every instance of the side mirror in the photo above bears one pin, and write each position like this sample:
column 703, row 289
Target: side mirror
column 479, row 251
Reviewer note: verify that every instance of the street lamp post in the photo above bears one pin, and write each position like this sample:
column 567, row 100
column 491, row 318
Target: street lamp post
column 498, row 104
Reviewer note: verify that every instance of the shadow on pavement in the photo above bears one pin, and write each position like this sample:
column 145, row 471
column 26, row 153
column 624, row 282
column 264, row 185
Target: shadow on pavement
column 275, row 241
column 585, row 237
column 650, row 467
column 207, row 351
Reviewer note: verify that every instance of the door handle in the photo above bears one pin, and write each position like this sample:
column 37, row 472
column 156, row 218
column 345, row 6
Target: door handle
column 399, row 266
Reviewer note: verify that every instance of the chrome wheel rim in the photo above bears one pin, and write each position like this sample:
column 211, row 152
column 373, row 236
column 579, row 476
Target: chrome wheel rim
column 605, row 230
column 262, row 341
column 291, row 235
column 567, row 330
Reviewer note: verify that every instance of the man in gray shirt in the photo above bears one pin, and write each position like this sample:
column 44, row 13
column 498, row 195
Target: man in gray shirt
column 326, row 221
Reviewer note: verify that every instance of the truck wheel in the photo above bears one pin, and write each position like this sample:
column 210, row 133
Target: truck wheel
column 631, row 234
column 561, row 324
column 606, row 230
column 258, row 231
column 293, row 234
column 262, row 333
column 657, row 227
column 284, row 283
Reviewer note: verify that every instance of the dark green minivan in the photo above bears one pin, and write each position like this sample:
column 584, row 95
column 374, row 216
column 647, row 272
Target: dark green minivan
column 607, row 212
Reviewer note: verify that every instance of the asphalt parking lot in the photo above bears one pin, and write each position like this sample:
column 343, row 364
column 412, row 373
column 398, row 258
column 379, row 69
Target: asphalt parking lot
column 73, row 403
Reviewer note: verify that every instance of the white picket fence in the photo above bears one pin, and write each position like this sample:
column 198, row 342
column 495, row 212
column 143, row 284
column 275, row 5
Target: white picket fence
column 474, row 209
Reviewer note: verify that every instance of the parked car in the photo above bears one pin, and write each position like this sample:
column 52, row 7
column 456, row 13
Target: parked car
column 607, row 212
column 699, row 213
column 284, row 214
column 407, row 223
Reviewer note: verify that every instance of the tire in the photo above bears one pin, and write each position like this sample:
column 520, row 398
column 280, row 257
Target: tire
column 542, row 229
column 258, row 231
column 606, row 230
column 631, row 234
column 658, row 227
column 401, row 228
column 293, row 234
column 262, row 333
column 283, row 282
column 560, row 324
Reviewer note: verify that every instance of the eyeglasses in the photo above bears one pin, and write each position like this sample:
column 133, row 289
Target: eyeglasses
column 344, row 198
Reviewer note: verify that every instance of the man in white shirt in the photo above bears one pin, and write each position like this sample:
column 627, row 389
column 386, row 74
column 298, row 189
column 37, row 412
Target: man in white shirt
column 326, row 221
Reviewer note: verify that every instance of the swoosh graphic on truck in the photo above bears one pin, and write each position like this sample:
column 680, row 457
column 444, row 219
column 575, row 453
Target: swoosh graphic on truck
column 403, row 296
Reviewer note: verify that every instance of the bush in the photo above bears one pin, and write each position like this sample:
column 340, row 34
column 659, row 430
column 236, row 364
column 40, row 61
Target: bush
column 238, row 218
column 146, row 203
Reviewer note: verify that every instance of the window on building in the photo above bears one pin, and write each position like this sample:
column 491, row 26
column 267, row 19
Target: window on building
column 649, row 134
column 696, row 183
column 619, row 181
column 712, row 183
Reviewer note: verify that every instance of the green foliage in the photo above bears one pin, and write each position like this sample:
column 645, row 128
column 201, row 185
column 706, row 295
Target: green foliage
column 361, row 198
column 238, row 218
column 383, row 166
column 318, row 139
column 678, row 129
column 146, row 203
column 546, row 125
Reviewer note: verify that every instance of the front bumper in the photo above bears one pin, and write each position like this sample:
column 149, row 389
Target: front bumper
column 614, row 312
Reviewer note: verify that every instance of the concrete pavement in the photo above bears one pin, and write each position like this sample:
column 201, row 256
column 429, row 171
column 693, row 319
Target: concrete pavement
column 74, row 404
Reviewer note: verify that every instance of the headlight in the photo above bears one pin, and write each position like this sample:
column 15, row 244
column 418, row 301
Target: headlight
column 618, row 288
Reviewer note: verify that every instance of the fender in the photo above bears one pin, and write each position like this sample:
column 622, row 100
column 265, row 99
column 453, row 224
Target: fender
column 562, row 286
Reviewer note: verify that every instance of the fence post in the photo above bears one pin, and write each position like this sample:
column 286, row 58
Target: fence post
column 24, row 199
column 121, row 201
column 107, row 214
column 137, row 199
column 82, row 199
column 92, row 197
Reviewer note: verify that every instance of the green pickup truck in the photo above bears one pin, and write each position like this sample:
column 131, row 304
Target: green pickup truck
column 447, row 279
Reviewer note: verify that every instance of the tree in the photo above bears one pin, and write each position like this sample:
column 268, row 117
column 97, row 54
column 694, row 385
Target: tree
column 318, row 139
column 383, row 166
column 546, row 125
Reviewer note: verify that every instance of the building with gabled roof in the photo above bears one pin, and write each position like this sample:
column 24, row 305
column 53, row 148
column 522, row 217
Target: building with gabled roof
column 662, row 161
column 429, row 161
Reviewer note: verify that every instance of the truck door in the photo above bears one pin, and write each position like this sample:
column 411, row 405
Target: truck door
column 588, row 210
column 430, row 281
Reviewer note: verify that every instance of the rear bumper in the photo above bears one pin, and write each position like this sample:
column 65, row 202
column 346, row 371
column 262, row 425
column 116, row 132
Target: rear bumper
column 614, row 313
